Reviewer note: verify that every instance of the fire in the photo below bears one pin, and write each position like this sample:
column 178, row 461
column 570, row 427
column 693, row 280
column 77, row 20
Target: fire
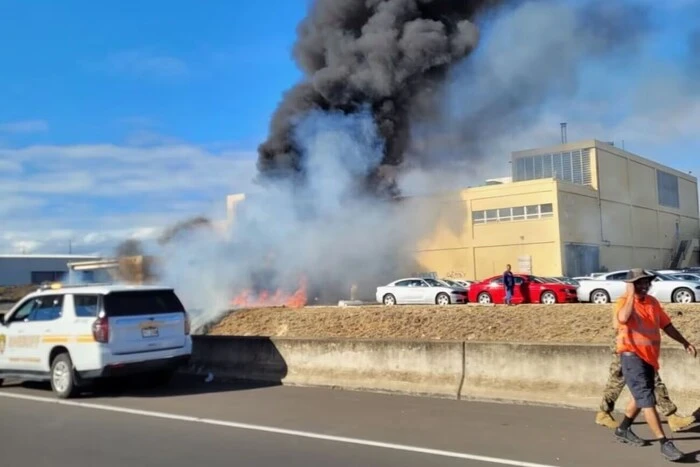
column 247, row 299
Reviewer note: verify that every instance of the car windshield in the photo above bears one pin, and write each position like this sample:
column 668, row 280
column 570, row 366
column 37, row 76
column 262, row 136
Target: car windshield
column 434, row 283
column 450, row 283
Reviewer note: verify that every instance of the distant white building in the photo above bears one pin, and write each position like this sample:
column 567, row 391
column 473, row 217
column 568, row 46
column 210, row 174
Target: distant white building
column 35, row 269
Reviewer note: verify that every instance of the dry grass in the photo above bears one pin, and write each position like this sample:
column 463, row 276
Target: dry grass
column 14, row 293
column 580, row 323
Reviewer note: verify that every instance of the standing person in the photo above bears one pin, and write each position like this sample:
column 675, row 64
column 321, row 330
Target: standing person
column 509, row 284
column 640, row 319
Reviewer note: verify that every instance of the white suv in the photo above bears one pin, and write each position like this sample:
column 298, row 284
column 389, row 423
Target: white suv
column 70, row 335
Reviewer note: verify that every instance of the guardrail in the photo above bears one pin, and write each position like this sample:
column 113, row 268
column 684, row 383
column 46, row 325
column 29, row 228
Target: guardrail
column 549, row 374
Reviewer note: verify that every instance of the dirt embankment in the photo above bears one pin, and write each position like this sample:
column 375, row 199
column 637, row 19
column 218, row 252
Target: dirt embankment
column 9, row 295
column 580, row 323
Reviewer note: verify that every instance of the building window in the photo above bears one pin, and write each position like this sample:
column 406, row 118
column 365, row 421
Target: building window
column 39, row 277
column 532, row 212
column 547, row 167
column 516, row 213
column 572, row 167
column 667, row 186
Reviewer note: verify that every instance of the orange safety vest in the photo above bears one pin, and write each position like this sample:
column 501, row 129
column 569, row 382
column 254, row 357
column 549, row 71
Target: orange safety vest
column 642, row 332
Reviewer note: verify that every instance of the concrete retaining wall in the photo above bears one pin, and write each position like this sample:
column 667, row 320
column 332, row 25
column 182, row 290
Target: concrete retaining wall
column 420, row 368
column 569, row 375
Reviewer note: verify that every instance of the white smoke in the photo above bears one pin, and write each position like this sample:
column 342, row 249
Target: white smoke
column 326, row 229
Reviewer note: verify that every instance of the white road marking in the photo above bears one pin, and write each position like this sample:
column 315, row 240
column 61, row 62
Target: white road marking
column 280, row 431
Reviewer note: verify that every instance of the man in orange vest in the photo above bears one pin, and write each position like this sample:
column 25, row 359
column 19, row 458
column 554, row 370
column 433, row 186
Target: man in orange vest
column 640, row 320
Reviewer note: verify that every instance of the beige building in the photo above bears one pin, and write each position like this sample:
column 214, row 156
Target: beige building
column 570, row 209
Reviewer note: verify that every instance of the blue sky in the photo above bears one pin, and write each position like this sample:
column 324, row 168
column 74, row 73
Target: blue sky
column 117, row 119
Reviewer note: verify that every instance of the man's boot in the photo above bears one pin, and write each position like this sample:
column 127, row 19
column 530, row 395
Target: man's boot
column 606, row 419
column 678, row 422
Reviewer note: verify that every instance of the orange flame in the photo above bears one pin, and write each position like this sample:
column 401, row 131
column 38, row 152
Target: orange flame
column 246, row 299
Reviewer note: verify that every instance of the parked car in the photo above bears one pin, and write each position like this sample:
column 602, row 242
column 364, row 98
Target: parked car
column 686, row 276
column 528, row 289
column 459, row 285
column 416, row 290
column 462, row 282
column 567, row 280
column 608, row 287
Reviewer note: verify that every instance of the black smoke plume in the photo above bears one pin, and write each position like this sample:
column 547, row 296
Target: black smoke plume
column 389, row 55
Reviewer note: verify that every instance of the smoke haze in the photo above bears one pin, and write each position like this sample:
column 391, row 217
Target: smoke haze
column 432, row 94
column 325, row 229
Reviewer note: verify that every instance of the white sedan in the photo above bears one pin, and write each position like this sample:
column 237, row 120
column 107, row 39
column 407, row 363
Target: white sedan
column 686, row 276
column 608, row 287
column 415, row 290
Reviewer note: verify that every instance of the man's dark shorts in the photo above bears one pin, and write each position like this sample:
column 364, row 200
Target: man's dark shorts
column 639, row 378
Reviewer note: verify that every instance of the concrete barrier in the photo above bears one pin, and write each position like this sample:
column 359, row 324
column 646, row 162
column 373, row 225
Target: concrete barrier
column 561, row 375
column 565, row 375
column 569, row 375
column 420, row 368
column 244, row 358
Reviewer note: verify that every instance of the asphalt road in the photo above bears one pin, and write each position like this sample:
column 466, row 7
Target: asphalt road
column 194, row 423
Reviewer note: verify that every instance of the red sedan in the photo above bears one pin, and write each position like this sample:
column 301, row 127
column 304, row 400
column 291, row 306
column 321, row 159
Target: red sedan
column 528, row 289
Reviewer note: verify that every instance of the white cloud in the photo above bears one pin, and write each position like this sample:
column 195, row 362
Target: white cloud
column 142, row 62
column 95, row 196
column 24, row 127
column 145, row 137
column 8, row 166
column 16, row 204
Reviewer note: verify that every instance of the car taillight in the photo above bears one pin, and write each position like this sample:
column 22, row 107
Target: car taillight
column 100, row 330
column 187, row 324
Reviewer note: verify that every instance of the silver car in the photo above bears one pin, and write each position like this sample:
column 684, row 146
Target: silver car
column 416, row 290
column 608, row 287
column 686, row 276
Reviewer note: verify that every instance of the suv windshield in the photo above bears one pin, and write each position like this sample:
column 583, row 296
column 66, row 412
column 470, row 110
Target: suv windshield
column 147, row 302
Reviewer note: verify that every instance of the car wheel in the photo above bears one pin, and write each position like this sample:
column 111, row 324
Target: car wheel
column 484, row 298
column 389, row 300
column 63, row 376
column 683, row 296
column 548, row 298
column 442, row 299
column 600, row 297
